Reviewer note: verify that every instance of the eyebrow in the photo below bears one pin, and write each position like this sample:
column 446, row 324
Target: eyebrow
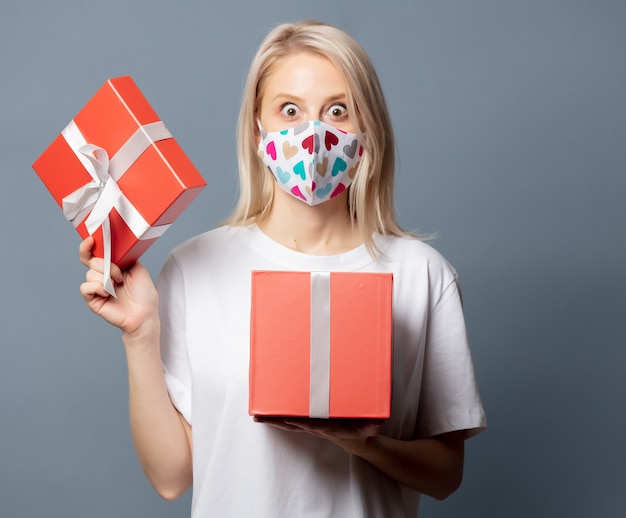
column 332, row 98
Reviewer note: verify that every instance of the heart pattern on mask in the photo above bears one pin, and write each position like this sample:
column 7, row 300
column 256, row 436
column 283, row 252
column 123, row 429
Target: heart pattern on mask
column 283, row 176
column 289, row 151
column 330, row 140
column 339, row 166
column 299, row 170
column 338, row 190
column 300, row 128
column 270, row 149
column 322, row 167
column 353, row 170
column 313, row 161
column 322, row 192
column 350, row 149
column 295, row 190
column 307, row 144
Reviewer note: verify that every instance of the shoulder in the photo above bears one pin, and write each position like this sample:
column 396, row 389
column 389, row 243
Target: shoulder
column 417, row 266
column 207, row 252
column 213, row 243
column 413, row 252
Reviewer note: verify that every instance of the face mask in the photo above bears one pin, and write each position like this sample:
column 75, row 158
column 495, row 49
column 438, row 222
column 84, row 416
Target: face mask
column 314, row 162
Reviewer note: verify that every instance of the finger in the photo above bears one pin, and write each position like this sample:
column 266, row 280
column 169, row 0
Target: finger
column 97, row 278
column 84, row 250
column 97, row 264
column 268, row 419
column 94, row 276
column 284, row 426
column 116, row 273
column 302, row 426
column 91, row 290
column 277, row 422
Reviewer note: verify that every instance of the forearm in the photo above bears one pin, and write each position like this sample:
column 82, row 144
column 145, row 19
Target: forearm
column 162, row 440
column 431, row 466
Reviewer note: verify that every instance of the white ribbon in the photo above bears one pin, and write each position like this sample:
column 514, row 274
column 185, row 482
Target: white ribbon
column 99, row 196
column 319, row 384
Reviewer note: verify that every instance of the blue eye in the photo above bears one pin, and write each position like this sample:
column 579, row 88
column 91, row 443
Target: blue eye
column 289, row 110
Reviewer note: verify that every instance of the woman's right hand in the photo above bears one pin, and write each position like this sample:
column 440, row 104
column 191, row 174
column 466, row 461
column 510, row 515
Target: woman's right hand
column 135, row 310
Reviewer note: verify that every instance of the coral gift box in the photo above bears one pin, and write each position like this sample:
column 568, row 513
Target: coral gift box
column 321, row 344
column 118, row 173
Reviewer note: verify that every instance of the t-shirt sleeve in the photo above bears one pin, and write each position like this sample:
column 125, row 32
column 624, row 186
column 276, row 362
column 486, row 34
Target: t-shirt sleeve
column 449, row 398
column 176, row 366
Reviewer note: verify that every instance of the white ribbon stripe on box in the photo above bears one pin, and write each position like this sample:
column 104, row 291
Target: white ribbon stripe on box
column 99, row 196
column 319, row 384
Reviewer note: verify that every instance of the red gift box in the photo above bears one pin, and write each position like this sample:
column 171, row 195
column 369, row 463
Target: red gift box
column 320, row 344
column 117, row 167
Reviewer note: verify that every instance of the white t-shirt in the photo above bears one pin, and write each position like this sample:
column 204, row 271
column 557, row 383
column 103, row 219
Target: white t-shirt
column 242, row 468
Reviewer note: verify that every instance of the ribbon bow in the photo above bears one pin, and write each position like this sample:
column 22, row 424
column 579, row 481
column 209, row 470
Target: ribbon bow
column 99, row 196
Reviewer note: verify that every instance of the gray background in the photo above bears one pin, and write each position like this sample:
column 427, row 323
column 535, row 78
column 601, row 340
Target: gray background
column 511, row 126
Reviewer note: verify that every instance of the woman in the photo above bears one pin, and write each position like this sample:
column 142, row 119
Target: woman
column 188, row 354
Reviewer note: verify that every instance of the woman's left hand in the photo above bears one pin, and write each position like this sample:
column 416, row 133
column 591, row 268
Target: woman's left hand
column 432, row 465
column 349, row 434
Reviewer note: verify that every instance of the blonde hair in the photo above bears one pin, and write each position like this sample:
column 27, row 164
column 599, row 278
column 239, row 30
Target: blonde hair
column 370, row 197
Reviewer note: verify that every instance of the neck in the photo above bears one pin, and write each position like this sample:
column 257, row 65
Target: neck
column 324, row 229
